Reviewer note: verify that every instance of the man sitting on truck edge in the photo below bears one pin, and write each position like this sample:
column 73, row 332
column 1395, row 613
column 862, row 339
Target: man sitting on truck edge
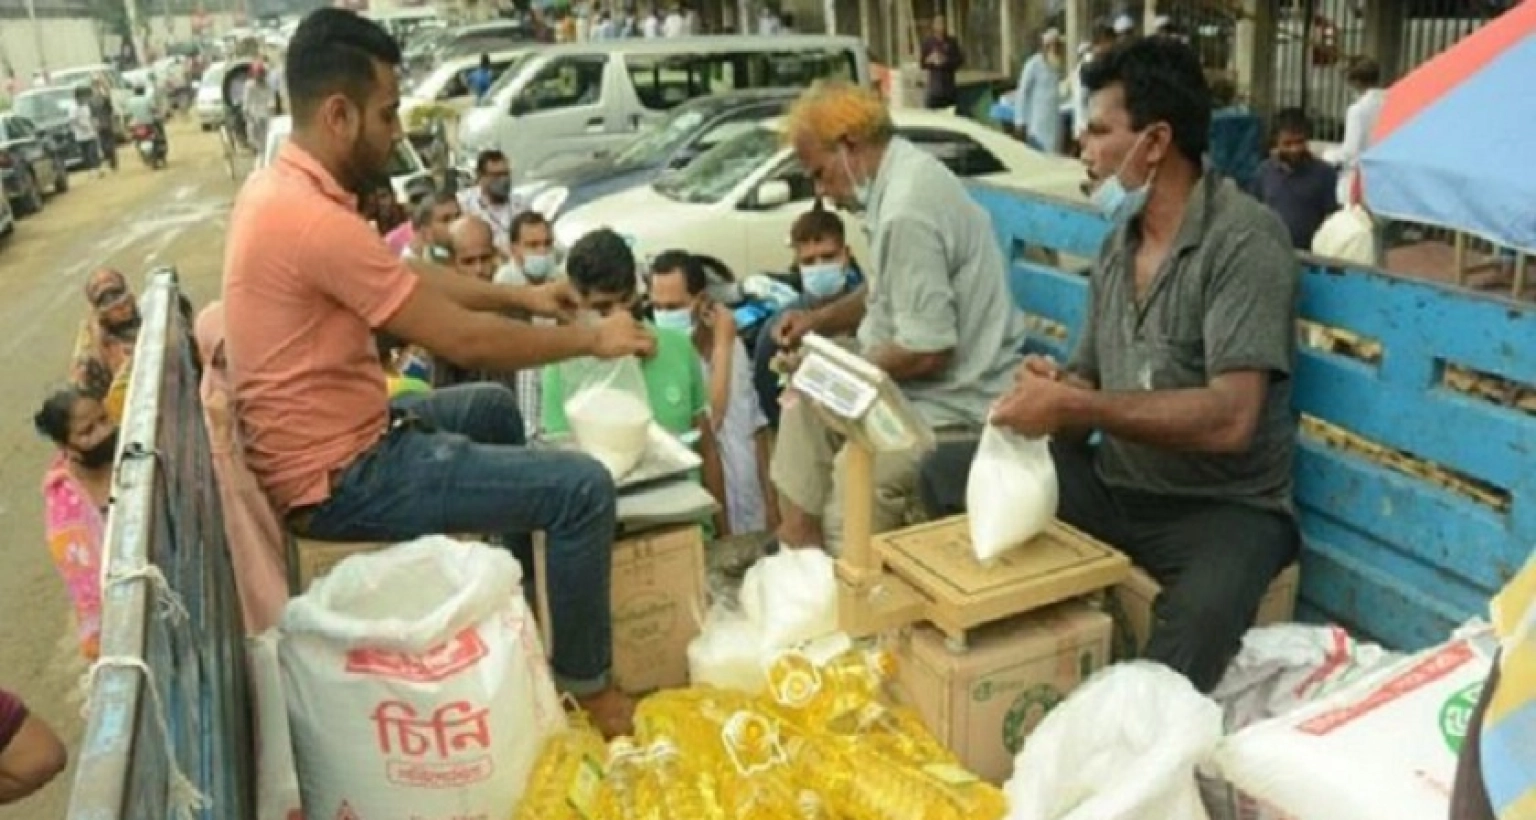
column 336, row 459
column 937, row 318
column 1183, row 367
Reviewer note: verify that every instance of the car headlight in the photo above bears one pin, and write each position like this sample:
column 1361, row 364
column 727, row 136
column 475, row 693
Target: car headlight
column 549, row 201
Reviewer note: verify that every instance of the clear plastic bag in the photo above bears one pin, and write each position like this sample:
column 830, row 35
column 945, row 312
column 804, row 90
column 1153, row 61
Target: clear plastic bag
column 608, row 409
column 1011, row 494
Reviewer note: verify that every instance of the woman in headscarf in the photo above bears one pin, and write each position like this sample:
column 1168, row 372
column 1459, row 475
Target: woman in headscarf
column 256, row 541
column 77, row 489
column 104, row 347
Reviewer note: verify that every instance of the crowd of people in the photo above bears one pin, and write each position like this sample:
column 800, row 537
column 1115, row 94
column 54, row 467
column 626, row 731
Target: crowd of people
column 591, row 22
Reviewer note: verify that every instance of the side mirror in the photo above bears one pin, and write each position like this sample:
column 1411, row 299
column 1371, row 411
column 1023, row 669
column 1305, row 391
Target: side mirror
column 520, row 106
column 771, row 194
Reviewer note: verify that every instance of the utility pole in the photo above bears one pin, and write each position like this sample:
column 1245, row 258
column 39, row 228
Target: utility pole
column 135, row 38
column 37, row 37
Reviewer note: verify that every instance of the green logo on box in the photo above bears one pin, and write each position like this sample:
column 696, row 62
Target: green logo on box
column 1026, row 712
column 1456, row 714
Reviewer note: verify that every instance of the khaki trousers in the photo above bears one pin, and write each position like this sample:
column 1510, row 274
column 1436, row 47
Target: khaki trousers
column 807, row 470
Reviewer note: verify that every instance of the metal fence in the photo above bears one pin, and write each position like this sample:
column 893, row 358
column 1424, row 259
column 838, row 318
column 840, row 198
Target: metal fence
column 168, row 696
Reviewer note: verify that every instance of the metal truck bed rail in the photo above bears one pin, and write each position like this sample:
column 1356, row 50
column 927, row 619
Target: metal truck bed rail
column 165, row 515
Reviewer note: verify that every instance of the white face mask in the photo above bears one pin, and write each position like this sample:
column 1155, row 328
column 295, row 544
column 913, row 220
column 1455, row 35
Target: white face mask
column 860, row 189
column 1117, row 203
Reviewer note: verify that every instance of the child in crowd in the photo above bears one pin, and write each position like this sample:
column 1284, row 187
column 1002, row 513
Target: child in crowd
column 601, row 268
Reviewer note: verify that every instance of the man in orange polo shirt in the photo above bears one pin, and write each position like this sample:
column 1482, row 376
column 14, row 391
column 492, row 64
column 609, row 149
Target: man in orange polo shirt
column 306, row 285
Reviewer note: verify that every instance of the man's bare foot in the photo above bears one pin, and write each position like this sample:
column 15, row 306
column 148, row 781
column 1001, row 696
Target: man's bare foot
column 612, row 712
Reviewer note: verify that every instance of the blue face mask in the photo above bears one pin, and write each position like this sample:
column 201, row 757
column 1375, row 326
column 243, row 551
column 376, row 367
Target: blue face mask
column 680, row 319
column 1117, row 203
column 823, row 279
column 537, row 267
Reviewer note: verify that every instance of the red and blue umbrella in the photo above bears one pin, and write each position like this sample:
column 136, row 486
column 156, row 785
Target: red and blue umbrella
column 1452, row 146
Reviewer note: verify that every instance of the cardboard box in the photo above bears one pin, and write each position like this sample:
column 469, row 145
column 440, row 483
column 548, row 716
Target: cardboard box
column 658, row 600
column 1134, row 597
column 309, row 559
column 982, row 703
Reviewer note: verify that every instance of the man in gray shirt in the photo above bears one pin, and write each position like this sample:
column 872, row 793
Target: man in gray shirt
column 937, row 315
column 1183, row 367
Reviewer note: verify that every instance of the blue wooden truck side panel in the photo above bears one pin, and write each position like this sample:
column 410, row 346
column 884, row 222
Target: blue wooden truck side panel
column 1388, row 553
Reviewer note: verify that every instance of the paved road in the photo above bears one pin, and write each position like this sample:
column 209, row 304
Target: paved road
column 134, row 220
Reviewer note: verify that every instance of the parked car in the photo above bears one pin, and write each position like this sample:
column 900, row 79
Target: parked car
column 209, row 102
column 29, row 164
column 736, row 202
column 568, row 104
column 407, row 173
column 479, row 38
column 447, row 85
column 50, row 110
column 691, row 129
column 87, row 74
column 7, row 217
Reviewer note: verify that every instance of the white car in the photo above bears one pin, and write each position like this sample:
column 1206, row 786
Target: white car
column 737, row 201
column 407, row 173
column 209, row 103
column 448, row 84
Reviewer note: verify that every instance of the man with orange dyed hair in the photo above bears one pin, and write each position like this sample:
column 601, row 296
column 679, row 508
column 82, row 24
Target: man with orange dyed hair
column 938, row 316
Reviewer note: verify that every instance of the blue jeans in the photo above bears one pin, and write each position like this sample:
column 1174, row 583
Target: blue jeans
column 454, row 462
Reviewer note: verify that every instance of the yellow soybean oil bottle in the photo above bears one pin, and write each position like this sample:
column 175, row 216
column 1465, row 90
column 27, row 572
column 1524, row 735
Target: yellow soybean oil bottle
column 567, row 776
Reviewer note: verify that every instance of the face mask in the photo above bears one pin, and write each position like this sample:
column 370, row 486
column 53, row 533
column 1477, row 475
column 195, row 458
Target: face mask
column 860, row 189
column 499, row 189
column 101, row 455
column 823, row 279
column 1117, row 203
column 680, row 319
column 537, row 267
column 124, row 328
column 439, row 254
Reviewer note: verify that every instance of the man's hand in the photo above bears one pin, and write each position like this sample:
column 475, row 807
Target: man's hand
column 556, row 300
column 785, row 363
column 618, row 334
column 792, row 327
column 1043, row 367
column 1038, row 405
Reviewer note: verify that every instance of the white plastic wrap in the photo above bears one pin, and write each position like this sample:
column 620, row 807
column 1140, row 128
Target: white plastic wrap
column 1124, row 746
column 609, row 410
column 791, row 597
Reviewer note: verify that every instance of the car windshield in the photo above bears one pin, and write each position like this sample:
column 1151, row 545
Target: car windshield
column 50, row 104
column 719, row 170
column 508, row 76
column 655, row 144
column 427, row 87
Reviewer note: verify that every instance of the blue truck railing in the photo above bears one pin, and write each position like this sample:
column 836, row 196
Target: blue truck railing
column 1417, row 497
column 169, row 603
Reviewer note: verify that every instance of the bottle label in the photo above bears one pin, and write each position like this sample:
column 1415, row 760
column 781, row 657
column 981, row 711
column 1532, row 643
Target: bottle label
column 752, row 742
column 586, row 784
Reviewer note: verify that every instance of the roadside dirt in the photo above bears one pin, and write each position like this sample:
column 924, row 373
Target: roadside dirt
column 134, row 221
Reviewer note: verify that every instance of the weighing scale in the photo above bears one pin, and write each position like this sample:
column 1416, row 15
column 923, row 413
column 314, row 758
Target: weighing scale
column 927, row 572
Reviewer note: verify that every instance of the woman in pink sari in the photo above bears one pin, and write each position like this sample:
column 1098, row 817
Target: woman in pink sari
column 256, row 540
column 76, row 491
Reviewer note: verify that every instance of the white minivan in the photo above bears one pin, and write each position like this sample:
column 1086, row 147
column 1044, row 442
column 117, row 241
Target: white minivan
column 564, row 105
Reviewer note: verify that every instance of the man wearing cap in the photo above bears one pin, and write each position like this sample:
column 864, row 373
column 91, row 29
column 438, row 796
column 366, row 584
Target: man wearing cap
column 1037, row 104
column 938, row 318
column 1125, row 27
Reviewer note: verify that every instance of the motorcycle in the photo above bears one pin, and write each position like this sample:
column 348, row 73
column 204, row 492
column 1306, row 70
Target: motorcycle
column 150, row 144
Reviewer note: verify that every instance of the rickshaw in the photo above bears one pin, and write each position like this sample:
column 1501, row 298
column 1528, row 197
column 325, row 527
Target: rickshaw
column 232, row 131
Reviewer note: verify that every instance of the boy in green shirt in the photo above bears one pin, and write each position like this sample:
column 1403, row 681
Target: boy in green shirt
column 601, row 269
